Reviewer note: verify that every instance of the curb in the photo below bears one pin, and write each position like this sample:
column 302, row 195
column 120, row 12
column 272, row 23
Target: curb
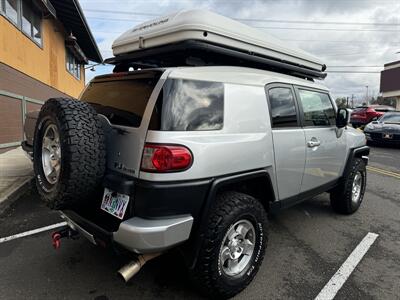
column 15, row 194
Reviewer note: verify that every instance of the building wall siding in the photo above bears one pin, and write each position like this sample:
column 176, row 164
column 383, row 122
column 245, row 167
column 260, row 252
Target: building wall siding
column 47, row 63
column 14, row 81
column 10, row 120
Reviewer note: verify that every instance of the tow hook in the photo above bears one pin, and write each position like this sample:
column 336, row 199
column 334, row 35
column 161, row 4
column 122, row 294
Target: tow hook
column 63, row 233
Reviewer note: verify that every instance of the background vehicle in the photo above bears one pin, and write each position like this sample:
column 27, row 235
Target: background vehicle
column 364, row 114
column 195, row 157
column 385, row 130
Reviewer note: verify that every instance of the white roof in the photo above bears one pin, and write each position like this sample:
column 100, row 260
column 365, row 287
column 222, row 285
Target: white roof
column 213, row 28
column 240, row 75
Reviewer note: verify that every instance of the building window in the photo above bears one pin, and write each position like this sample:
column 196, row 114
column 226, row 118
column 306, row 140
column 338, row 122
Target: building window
column 72, row 65
column 26, row 16
column 11, row 10
column 31, row 21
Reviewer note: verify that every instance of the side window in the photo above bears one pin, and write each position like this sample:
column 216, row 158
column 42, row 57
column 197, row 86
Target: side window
column 317, row 108
column 192, row 105
column 283, row 107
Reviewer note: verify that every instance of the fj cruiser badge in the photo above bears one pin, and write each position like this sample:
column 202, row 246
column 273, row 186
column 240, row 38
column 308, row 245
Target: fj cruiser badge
column 122, row 167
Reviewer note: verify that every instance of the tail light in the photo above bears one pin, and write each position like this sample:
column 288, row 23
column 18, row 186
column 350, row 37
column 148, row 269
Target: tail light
column 165, row 158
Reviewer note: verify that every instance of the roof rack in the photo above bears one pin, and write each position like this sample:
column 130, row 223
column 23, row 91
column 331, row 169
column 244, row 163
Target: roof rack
column 200, row 53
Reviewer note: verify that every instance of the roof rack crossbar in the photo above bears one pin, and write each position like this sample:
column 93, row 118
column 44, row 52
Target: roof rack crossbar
column 177, row 54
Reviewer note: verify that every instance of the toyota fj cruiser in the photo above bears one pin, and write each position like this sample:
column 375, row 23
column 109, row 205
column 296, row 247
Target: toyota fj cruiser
column 194, row 157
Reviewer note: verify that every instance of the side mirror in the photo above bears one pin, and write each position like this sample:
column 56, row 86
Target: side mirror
column 342, row 118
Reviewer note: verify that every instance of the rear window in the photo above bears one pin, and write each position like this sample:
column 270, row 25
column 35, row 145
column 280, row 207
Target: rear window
column 122, row 100
column 189, row 105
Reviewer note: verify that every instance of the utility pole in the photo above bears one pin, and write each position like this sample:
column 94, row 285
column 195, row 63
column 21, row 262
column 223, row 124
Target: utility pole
column 352, row 100
column 367, row 101
column 347, row 102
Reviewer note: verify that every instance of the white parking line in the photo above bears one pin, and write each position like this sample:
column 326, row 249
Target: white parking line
column 334, row 285
column 31, row 232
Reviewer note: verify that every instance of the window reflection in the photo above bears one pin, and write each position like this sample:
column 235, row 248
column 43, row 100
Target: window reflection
column 192, row 105
column 283, row 107
column 317, row 108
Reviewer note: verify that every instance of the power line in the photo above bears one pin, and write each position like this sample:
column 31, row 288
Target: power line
column 326, row 29
column 253, row 19
column 355, row 66
column 268, row 27
column 354, row 72
column 335, row 41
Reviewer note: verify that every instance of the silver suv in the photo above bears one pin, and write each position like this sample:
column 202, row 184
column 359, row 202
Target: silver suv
column 193, row 158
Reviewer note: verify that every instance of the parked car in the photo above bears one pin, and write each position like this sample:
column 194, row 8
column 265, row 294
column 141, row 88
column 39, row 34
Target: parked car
column 195, row 157
column 385, row 130
column 364, row 114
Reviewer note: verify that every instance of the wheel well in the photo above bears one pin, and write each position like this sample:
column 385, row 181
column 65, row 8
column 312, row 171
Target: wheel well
column 258, row 187
column 363, row 154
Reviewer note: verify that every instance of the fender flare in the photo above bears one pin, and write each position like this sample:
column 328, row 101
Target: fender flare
column 359, row 152
column 218, row 183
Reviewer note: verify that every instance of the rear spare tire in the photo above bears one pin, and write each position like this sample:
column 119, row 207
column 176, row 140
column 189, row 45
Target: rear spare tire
column 69, row 152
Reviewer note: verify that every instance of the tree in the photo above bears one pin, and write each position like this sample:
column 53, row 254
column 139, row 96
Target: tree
column 341, row 102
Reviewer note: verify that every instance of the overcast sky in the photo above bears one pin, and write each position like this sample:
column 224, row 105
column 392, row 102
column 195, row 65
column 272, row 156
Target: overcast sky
column 343, row 33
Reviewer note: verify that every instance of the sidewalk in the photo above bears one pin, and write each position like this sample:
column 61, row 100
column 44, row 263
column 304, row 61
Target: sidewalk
column 16, row 173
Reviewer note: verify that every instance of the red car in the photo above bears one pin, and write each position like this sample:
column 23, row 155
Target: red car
column 362, row 115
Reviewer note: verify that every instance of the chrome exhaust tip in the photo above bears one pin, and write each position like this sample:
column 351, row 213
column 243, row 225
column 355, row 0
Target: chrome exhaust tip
column 134, row 266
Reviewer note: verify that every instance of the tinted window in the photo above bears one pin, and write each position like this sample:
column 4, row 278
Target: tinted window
column 190, row 105
column 317, row 108
column 283, row 108
column 122, row 100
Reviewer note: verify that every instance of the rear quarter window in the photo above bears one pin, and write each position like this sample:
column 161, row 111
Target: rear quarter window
column 190, row 105
column 122, row 100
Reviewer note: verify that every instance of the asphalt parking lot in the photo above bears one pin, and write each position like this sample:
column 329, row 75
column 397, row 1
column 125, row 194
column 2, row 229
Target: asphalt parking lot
column 307, row 245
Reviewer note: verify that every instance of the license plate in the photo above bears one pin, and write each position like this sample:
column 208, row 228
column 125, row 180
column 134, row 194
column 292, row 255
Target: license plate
column 114, row 203
column 387, row 136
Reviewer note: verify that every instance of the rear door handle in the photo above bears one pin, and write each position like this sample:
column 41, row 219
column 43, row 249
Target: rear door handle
column 314, row 142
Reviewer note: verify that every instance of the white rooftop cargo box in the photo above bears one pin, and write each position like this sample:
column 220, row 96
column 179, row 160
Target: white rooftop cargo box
column 205, row 38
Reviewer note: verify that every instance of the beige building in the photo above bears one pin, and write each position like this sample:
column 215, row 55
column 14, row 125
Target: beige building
column 44, row 46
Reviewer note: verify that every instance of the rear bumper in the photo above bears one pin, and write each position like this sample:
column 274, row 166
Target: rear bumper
column 146, row 236
column 135, row 234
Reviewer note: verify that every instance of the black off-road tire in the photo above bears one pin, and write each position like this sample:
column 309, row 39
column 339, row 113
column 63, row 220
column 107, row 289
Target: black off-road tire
column 341, row 196
column 207, row 275
column 83, row 152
